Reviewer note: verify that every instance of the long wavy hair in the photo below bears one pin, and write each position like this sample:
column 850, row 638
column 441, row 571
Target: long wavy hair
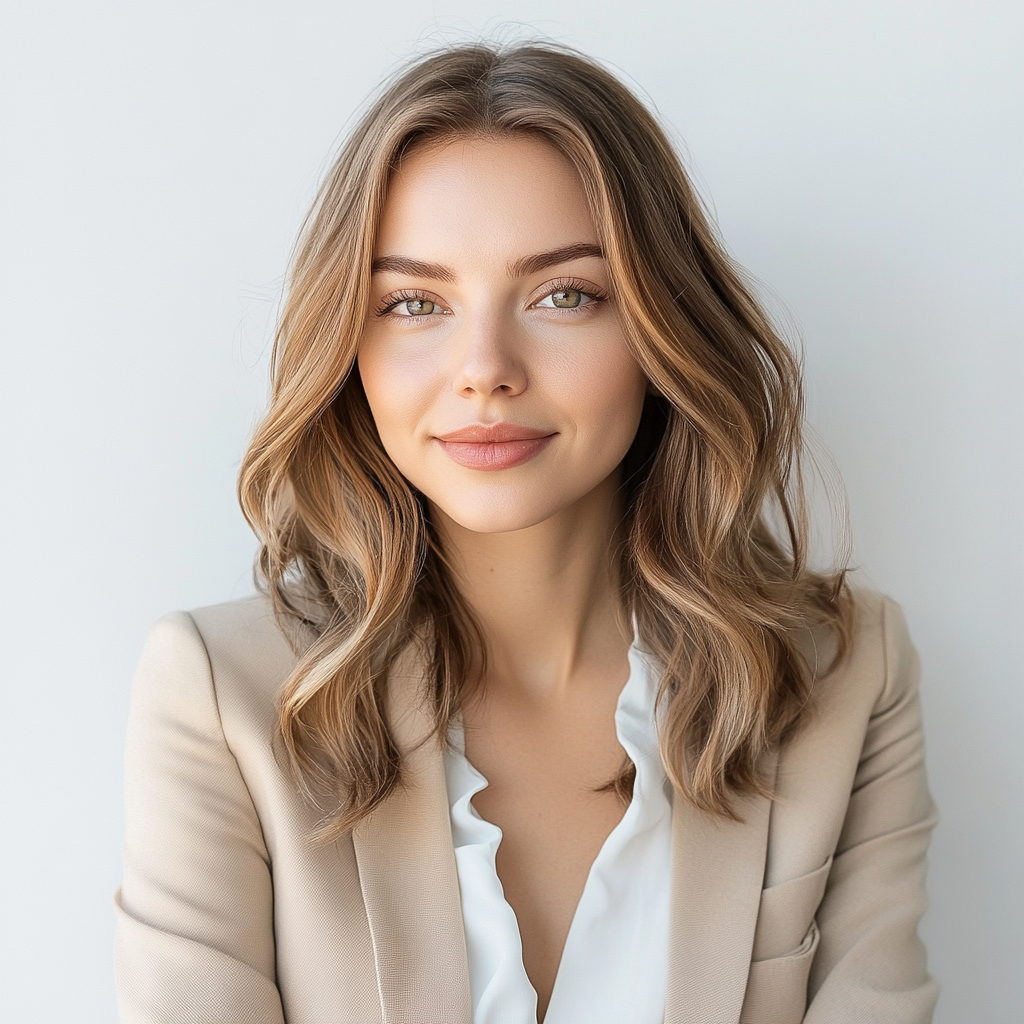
column 713, row 565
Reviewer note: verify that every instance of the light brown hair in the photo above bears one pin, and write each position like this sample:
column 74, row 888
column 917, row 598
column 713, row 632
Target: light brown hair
column 719, row 598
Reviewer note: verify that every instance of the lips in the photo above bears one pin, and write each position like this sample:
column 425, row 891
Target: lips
column 494, row 446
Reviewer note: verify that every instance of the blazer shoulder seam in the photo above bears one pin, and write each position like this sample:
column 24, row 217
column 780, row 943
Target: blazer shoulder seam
column 223, row 734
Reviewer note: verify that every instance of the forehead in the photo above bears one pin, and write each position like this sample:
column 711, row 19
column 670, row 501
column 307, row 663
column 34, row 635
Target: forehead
column 479, row 198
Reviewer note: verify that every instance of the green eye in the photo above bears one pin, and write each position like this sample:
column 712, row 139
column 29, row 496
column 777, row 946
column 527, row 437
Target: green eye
column 568, row 298
column 418, row 307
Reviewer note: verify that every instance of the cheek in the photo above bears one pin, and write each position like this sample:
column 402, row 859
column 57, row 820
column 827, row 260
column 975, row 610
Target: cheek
column 605, row 393
column 397, row 385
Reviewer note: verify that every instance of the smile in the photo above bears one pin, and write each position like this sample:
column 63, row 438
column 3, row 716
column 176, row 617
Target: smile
column 495, row 446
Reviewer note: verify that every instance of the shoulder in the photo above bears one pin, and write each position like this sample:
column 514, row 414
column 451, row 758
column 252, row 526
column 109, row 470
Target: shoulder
column 881, row 665
column 223, row 664
column 246, row 637
column 880, row 661
column 864, row 718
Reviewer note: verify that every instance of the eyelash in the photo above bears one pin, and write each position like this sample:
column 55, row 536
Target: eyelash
column 565, row 284
column 573, row 284
column 393, row 299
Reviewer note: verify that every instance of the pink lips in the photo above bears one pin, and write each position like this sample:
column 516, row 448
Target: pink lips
column 497, row 446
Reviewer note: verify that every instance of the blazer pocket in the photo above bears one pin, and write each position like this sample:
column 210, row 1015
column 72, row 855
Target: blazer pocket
column 786, row 913
column 777, row 988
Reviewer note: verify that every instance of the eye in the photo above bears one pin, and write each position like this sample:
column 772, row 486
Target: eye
column 568, row 295
column 413, row 307
column 569, row 298
column 409, row 304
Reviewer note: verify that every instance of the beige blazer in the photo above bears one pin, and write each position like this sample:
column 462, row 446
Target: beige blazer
column 805, row 911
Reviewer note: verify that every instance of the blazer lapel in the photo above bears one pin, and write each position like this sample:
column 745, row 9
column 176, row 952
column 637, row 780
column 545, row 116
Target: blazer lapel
column 717, row 877
column 409, row 879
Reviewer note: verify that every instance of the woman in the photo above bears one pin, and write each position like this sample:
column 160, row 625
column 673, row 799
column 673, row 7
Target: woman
column 544, row 715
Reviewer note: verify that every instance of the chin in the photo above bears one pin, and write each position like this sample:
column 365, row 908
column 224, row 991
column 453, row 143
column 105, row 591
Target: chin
column 499, row 512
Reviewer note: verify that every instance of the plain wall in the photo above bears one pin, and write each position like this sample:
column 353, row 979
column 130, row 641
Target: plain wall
column 863, row 159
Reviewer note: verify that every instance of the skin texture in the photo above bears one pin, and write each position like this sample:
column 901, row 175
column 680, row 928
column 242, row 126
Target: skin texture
column 486, row 335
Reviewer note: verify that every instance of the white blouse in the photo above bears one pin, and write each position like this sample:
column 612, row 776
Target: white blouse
column 615, row 962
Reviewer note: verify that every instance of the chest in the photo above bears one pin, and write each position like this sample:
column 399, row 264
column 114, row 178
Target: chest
column 548, row 768
column 548, row 773
column 550, row 798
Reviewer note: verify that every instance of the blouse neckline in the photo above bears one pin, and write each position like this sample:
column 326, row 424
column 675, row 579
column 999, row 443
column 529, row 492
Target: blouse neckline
column 615, row 961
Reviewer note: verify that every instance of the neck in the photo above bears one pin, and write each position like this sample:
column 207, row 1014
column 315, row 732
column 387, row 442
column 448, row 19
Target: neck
column 547, row 597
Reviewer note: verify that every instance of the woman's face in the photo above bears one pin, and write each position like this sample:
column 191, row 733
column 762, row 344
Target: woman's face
column 493, row 358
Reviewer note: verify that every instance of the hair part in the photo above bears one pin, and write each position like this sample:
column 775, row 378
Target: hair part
column 719, row 598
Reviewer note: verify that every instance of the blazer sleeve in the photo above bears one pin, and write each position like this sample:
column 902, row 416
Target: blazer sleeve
column 870, row 963
column 195, row 937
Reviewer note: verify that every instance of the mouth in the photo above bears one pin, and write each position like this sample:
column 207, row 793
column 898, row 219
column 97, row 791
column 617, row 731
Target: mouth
column 494, row 446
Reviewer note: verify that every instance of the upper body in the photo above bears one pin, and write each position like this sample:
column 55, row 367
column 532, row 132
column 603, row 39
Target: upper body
column 804, row 911
column 526, row 416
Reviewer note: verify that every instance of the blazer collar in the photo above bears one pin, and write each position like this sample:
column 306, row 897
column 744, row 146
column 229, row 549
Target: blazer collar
column 408, row 876
column 717, row 876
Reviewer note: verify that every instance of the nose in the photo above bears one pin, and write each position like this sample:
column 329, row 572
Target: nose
column 488, row 360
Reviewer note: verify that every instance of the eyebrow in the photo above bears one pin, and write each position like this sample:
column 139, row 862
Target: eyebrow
column 413, row 268
column 543, row 260
column 521, row 268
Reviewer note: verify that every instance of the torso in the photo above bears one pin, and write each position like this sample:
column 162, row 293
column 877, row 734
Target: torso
column 544, row 761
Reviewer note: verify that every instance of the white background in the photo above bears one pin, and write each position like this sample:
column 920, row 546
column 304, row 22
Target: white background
column 864, row 162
